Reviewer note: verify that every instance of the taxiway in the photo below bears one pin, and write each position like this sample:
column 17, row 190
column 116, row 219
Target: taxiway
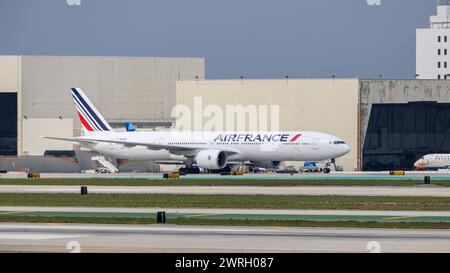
column 166, row 238
column 255, row 214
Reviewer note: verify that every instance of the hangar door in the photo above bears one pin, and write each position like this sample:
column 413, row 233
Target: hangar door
column 399, row 134
column 8, row 123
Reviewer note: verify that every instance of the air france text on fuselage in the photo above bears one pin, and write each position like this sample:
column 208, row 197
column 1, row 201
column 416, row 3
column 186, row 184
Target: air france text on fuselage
column 255, row 138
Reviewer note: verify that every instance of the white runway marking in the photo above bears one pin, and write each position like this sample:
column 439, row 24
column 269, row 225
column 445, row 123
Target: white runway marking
column 35, row 236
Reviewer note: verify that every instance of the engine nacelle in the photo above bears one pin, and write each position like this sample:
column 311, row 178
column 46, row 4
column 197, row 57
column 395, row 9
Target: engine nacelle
column 267, row 164
column 211, row 159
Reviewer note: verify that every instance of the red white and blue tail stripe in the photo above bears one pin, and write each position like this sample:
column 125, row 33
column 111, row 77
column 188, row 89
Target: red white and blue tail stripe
column 90, row 117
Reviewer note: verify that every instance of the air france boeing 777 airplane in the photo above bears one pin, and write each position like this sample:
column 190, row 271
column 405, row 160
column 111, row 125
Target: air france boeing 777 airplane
column 208, row 150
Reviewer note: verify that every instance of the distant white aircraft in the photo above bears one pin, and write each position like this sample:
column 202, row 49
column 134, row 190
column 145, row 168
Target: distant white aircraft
column 433, row 161
column 208, row 150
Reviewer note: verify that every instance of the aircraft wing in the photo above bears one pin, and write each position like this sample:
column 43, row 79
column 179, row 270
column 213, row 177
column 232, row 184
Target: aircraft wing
column 151, row 146
column 71, row 139
column 184, row 163
column 170, row 162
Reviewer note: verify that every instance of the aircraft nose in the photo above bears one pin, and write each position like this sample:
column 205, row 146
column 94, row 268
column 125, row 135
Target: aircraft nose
column 342, row 149
column 346, row 148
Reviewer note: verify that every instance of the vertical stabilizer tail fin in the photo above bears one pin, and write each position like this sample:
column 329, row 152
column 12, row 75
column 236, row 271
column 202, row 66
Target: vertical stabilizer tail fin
column 90, row 118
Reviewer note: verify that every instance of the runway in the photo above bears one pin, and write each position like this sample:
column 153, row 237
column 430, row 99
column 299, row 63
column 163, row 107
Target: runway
column 417, row 191
column 206, row 213
column 167, row 238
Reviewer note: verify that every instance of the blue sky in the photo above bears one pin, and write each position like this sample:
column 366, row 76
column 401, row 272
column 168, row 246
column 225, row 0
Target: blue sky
column 254, row 38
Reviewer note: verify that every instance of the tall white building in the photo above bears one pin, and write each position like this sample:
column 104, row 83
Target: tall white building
column 433, row 46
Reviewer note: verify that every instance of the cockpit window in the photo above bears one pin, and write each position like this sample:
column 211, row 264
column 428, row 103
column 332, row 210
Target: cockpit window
column 338, row 142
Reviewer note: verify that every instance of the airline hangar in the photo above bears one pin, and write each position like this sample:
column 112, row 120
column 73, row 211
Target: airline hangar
column 387, row 123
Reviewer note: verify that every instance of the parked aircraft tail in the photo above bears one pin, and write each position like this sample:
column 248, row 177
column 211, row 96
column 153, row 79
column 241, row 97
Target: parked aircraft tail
column 90, row 118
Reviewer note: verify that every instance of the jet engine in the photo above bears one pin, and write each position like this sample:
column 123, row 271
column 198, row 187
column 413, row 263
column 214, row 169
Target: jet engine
column 211, row 159
column 267, row 164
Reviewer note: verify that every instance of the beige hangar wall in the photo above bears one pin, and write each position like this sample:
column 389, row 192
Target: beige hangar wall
column 35, row 129
column 329, row 106
column 138, row 89
column 9, row 73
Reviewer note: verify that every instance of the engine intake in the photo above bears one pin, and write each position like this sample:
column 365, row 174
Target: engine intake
column 211, row 159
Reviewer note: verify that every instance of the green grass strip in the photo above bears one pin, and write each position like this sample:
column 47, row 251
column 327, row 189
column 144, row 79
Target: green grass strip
column 227, row 222
column 331, row 217
column 228, row 201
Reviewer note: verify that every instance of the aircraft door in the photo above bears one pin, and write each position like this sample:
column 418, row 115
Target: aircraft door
column 160, row 141
column 315, row 144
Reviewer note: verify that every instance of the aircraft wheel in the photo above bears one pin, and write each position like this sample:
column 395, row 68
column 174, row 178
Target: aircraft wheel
column 195, row 170
column 326, row 170
column 226, row 169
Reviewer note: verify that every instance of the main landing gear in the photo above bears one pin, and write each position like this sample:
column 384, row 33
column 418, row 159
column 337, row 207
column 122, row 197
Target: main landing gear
column 189, row 170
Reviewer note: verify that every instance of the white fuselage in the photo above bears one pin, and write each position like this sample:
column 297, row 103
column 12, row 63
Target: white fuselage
column 282, row 146
column 433, row 161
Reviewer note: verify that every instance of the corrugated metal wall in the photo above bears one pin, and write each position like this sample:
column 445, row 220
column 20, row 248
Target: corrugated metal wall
column 399, row 134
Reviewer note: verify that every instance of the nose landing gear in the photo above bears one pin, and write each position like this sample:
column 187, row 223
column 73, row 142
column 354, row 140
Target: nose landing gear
column 327, row 166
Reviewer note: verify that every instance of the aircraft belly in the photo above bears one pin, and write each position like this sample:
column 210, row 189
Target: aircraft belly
column 281, row 154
